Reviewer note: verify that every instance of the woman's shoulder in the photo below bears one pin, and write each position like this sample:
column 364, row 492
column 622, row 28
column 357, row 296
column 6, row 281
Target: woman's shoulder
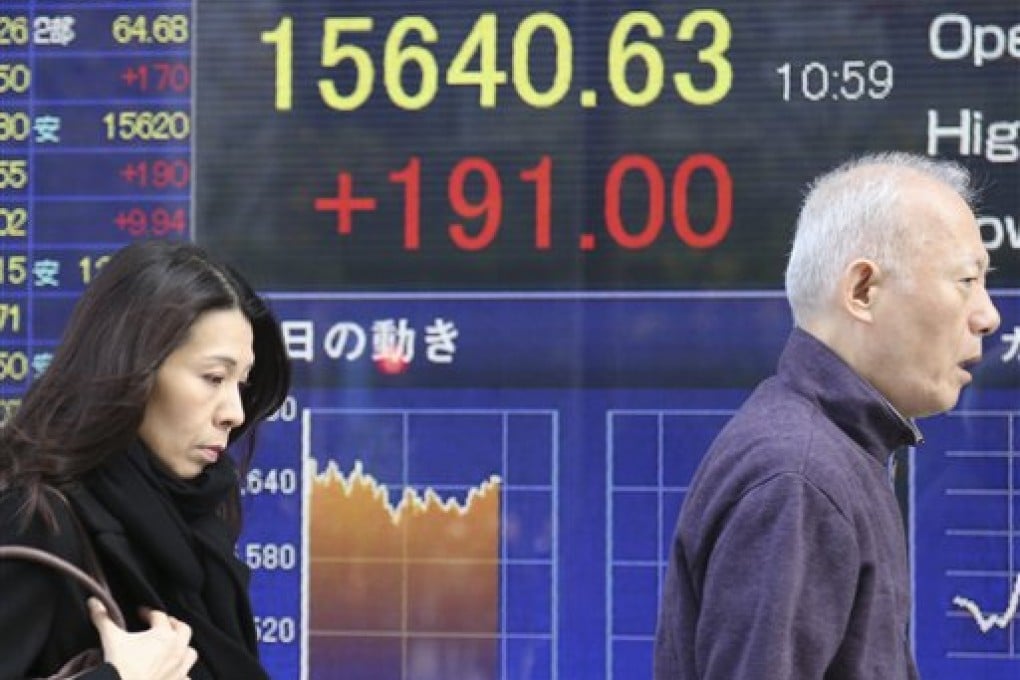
column 13, row 520
column 23, row 524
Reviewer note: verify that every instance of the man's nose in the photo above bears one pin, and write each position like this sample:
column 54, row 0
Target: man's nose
column 985, row 319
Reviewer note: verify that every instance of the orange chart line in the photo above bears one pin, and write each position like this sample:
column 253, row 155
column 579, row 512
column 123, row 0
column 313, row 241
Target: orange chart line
column 414, row 583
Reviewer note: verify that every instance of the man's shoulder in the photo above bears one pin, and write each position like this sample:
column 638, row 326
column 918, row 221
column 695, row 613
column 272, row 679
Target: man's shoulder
column 774, row 422
column 777, row 432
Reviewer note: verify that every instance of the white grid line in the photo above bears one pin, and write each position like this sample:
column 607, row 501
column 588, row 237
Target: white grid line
column 660, row 490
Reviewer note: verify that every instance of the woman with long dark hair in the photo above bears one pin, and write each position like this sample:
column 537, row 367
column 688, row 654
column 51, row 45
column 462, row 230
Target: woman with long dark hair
column 119, row 450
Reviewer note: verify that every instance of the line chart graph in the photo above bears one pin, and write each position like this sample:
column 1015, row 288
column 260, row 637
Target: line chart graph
column 965, row 522
column 416, row 580
column 986, row 622
column 429, row 549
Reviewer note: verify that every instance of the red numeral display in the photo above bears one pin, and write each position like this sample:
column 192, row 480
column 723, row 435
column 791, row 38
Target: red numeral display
column 160, row 221
column 158, row 77
column 638, row 196
column 489, row 207
column 158, row 174
column 642, row 237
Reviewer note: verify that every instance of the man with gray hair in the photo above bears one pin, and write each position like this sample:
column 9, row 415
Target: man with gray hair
column 789, row 559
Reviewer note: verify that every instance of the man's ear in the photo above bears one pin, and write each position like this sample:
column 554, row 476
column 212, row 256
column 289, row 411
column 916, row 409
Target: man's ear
column 861, row 282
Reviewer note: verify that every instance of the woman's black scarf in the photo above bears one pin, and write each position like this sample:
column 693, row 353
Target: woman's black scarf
column 177, row 533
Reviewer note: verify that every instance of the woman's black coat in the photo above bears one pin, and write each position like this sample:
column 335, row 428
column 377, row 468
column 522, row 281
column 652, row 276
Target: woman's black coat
column 43, row 618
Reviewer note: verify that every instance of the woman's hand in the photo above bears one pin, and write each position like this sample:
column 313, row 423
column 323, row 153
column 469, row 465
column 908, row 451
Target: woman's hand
column 159, row 653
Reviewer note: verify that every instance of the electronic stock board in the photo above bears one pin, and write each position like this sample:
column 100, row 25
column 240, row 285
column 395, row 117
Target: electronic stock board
column 527, row 258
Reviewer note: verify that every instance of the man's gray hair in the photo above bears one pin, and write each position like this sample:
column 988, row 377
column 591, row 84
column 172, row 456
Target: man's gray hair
column 853, row 212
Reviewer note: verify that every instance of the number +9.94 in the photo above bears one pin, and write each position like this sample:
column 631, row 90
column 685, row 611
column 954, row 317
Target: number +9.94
column 411, row 69
column 474, row 188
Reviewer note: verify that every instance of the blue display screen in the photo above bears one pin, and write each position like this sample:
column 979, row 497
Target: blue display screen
column 527, row 261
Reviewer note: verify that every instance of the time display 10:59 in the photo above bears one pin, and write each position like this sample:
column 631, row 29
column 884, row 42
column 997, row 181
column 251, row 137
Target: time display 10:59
column 850, row 80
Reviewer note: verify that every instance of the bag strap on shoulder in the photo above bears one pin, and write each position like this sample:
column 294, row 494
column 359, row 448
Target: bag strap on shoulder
column 93, row 582
column 29, row 554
